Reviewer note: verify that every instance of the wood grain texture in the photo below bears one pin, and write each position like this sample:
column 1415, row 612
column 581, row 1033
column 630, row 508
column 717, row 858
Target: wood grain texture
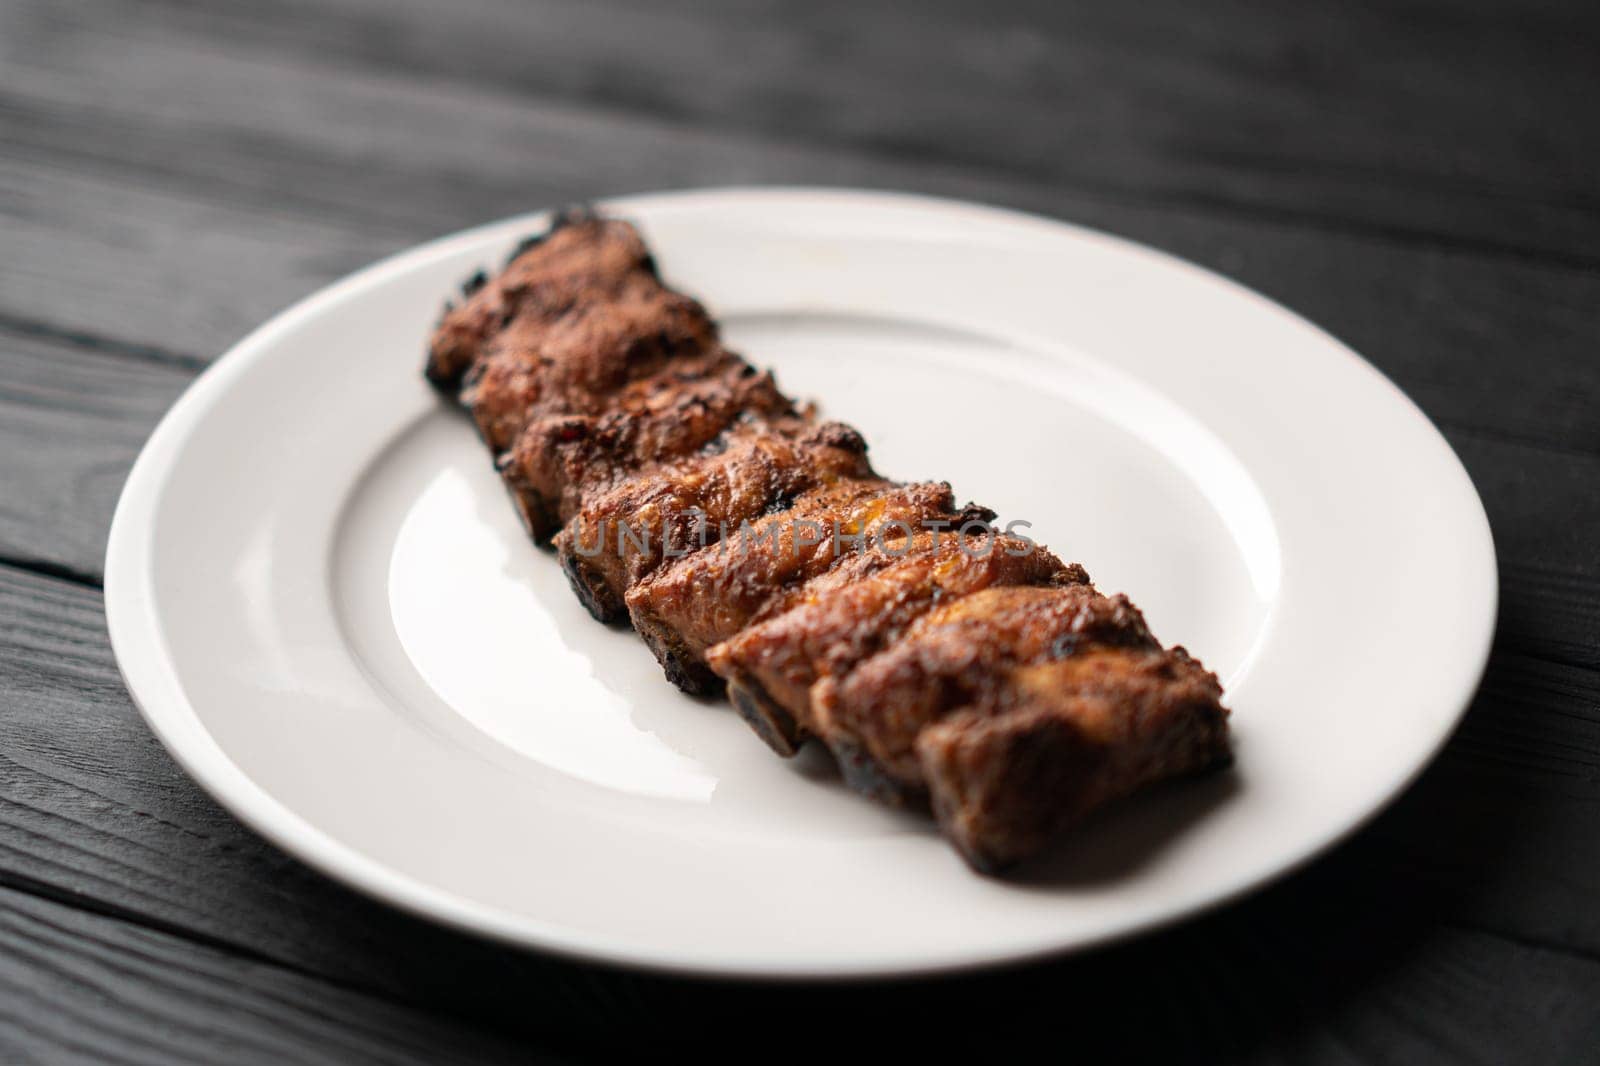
column 72, row 419
column 78, row 987
column 187, row 261
column 1415, row 177
column 208, row 189
column 1441, row 121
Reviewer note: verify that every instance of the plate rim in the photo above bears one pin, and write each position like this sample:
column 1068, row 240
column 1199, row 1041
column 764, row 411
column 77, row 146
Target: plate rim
column 152, row 683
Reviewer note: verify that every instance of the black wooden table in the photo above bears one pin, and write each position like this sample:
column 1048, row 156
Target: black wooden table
column 1421, row 178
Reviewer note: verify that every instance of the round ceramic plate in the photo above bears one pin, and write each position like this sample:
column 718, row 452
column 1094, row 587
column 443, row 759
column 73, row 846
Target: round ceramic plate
column 325, row 607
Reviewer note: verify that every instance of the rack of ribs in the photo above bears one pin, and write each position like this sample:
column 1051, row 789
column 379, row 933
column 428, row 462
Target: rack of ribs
column 945, row 664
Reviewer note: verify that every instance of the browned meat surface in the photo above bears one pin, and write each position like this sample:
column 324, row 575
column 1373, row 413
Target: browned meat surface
column 751, row 544
column 697, row 601
column 956, row 655
column 1063, row 738
column 582, row 257
column 771, row 667
column 574, row 361
column 560, row 459
column 618, row 538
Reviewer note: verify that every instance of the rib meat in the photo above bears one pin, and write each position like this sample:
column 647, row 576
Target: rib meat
column 750, row 544
column 582, row 261
column 759, row 571
column 954, row 656
column 771, row 667
column 619, row 538
column 560, row 459
column 1061, row 738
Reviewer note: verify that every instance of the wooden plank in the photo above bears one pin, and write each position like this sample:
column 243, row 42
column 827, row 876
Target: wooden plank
column 177, row 277
column 211, row 189
column 1456, row 123
column 72, row 420
column 216, row 188
column 79, row 987
column 1288, row 980
column 1440, row 323
column 1543, row 508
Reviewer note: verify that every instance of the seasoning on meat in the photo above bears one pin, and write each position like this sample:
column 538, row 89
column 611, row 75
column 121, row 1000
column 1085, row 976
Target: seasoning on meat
column 944, row 663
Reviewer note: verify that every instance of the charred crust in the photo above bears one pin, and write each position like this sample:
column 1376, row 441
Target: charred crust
column 592, row 590
column 450, row 377
column 539, row 518
column 682, row 667
column 446, row 382
column 771, row 722
column 780, row 503
column 866, row 775
column 838, row 435
column 1116, row 625
column 1071, row 574
column 973, row 512
column 982, row 861
column 570, row 215
column 968, row 845
column 690, row 675
column 526, row 245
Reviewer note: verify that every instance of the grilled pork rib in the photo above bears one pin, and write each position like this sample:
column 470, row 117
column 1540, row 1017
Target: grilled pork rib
column 769, row 566
column 619, row 538
column 752, row 545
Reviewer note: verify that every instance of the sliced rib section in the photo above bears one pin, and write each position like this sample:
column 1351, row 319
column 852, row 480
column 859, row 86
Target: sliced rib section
column 559, row 460
column 771, row 667
column 945, row 665
column 672, row 510
column 769, row 565
column 1060, row 739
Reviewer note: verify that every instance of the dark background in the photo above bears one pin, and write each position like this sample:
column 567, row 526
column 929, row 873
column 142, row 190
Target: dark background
column 1418, row 177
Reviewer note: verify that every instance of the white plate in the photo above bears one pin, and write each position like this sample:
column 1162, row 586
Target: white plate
column 325, row 608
